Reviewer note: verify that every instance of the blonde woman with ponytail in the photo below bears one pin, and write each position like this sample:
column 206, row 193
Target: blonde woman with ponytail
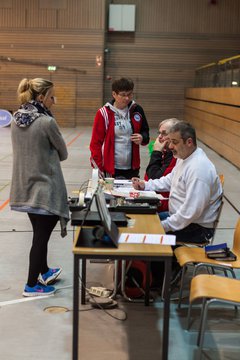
column 38, row 186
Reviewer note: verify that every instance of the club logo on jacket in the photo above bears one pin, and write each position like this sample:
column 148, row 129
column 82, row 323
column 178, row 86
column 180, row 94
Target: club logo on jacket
column 137, row 117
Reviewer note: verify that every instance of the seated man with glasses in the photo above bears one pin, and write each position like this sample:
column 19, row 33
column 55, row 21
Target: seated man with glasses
column 162, row 160
column 120, row 126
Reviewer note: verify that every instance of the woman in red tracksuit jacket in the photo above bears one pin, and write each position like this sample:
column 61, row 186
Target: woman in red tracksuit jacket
column 120, row 126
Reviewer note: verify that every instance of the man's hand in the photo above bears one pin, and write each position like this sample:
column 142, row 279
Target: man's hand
column 136, row 138
column 138, row 184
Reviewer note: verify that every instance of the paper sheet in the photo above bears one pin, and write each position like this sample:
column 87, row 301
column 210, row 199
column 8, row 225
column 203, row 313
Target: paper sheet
column 129, row 238
column 122, row 183
column 125, row 192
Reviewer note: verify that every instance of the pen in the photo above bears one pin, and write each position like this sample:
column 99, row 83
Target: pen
column 144, row 238
column 127, row 238
column 161, row 239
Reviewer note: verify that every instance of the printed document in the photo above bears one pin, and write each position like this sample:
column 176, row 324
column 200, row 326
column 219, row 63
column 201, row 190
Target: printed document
column 157, row 239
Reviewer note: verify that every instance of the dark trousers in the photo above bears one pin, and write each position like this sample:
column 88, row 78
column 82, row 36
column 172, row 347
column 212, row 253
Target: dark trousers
column 43, row 226
column 193, row 233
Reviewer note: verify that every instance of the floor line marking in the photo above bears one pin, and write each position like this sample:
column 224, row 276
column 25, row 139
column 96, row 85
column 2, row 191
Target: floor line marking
column 74, row 139
column 4, row 186
column 64, row 287
column 4, row 204
column 31, row 298
column 16, row 301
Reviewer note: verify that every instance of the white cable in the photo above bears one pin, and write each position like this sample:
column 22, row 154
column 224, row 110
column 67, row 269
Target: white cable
column 81, row 198
column 94, row 180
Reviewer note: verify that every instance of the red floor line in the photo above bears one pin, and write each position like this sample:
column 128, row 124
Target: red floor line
column 74, row 139
column 4, row 204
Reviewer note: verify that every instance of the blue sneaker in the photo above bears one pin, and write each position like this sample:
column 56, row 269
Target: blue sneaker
column 50, row 276
column 38, row 290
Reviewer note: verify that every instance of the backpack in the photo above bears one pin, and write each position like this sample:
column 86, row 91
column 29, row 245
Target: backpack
column 135, row 279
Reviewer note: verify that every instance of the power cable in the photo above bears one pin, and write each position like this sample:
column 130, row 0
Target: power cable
column 98, row 305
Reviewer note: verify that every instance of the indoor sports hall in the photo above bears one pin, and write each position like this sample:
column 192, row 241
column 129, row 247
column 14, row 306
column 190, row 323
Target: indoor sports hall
column 33, row 328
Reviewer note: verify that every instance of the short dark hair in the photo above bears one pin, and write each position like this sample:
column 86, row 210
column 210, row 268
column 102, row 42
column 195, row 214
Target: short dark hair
column 122, row 84
column 186, row 131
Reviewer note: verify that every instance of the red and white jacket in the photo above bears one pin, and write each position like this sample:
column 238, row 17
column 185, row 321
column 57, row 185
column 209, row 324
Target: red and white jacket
column 103, row 137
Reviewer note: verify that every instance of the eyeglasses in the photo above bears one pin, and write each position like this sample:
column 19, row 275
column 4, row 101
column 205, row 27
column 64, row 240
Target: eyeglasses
column 162, row 133
column 124, row 95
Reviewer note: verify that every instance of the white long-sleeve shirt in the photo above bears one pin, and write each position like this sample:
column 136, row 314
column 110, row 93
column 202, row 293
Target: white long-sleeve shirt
column 195, row 192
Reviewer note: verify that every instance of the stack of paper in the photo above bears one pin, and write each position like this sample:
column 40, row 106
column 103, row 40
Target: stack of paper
column 158, row 239
column 128, row 192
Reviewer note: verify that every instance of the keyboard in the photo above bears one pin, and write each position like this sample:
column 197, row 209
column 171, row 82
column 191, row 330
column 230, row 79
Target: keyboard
column 134, row 208
column 144, row 199
column 93, row 218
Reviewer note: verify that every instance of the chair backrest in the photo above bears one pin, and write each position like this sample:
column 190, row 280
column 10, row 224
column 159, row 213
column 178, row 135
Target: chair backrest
column 215, row 225
column 221, row 178
column 236, row 239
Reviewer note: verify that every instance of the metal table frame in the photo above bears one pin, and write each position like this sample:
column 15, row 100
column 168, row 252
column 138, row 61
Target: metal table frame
column 92, row 255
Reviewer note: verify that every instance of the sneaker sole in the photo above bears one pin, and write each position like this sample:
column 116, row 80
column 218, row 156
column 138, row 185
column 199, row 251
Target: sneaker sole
column 28, row 294
column 50, row 280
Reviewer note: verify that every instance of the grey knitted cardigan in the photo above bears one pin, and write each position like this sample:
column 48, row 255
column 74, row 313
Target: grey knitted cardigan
column 37, row 179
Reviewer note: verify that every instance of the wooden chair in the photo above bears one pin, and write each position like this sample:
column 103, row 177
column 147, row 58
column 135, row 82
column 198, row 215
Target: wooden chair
column 197, row 257
column 222, row 179
column 211, row 289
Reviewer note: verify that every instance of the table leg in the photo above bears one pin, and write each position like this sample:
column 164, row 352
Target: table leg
column 75, row 308
column 147, row 288
column 167, row 276
column 83, row 282
column 116, row 279
column 123, row 280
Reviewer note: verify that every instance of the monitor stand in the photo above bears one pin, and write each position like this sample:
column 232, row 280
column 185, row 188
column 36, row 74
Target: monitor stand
column 87, row 238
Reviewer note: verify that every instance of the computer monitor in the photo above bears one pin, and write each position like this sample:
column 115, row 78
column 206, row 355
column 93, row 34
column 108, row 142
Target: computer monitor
column 104, row 235
column 111, row 235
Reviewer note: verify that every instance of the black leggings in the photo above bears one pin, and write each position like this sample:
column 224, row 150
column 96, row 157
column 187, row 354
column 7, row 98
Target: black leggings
column 43, row 226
